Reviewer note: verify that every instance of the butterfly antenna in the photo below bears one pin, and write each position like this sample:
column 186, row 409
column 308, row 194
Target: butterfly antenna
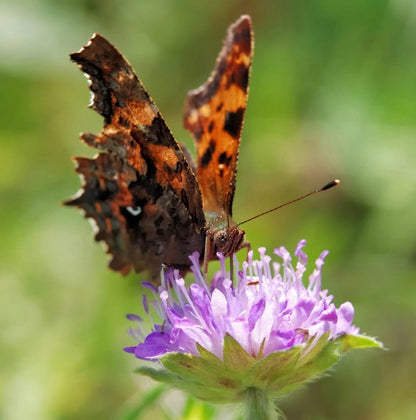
column 324, row 188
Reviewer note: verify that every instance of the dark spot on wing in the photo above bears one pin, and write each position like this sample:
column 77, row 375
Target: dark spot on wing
column 207, row 156
column 178, row 167
column 211, row 126
column 243, row 39
column 138, row 135
column 111, row 188
column 173, row 171
column 233, row 122
column 123, row 122
column 198, row 133
column 219, row 107
column 169, row 171
column 239, row 77
column 146, row 185
column 184, row 198
column 150, row 165
column 156, row 133
column 224, row 159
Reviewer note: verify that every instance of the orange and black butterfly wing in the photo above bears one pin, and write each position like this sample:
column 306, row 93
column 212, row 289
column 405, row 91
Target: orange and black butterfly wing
column 214, row 115
column 141, row 192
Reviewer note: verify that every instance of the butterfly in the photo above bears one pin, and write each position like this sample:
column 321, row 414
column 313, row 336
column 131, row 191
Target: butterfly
column 150, row 203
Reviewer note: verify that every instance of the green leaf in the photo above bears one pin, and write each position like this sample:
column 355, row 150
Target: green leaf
column 196, row 369
column 261, row 350
column 350, row 342
column 312, row 348
column 195, row 385
column 309, row 371
column 235, row 357
column 160, row 375
column 203, row 378
column 264, row 372
column 208, row 356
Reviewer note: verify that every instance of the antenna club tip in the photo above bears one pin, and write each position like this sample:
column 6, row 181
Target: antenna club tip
column 330, row 185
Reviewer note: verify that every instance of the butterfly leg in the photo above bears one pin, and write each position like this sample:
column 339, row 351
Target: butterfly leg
column 247, row 245
column 206, row 254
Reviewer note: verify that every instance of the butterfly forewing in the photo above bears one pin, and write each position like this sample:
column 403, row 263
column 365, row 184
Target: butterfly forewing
column 214, row 115
column 142, row 194
column 141, row 191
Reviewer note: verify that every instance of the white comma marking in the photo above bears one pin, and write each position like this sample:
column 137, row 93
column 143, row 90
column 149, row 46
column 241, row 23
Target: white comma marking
column 134, row 211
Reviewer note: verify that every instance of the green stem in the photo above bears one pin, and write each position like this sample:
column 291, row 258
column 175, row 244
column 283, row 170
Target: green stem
column 258, row 405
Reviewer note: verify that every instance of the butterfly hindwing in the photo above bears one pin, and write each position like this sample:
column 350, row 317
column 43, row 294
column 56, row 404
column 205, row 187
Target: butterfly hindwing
column 141, row 193
column 214, row 115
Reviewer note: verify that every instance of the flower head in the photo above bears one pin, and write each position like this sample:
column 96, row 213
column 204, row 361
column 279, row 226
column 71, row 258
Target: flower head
column 267, row 327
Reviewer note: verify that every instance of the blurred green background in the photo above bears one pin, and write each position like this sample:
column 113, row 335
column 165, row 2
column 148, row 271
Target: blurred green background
column 332, row 95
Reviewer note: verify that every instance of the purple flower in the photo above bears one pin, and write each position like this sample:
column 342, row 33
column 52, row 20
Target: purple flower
column 268, row 309
column 266, row 327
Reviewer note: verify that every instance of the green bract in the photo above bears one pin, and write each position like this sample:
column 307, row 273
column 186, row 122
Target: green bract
column 224, row 381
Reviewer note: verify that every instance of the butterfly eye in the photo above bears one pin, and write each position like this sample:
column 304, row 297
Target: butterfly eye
column 221, row 238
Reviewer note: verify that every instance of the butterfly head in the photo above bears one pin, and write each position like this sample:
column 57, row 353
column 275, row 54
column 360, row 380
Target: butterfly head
column 227, row 241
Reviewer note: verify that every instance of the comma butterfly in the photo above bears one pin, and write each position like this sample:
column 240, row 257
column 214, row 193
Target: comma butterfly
column 150, row 203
